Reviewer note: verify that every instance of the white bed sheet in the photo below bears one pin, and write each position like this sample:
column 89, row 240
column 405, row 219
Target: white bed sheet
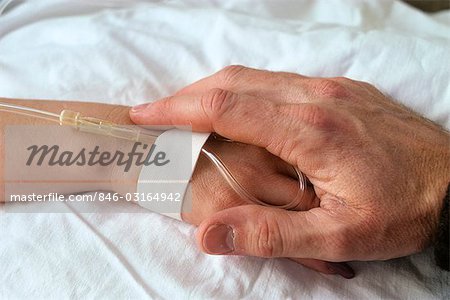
column 126, row 52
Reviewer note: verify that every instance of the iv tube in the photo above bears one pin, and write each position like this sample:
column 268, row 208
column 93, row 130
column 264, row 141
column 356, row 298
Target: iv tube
column 29, row 111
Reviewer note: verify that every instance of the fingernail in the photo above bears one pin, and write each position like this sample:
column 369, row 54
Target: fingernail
column 219, row 239
column 139, row 107
column 342, row 269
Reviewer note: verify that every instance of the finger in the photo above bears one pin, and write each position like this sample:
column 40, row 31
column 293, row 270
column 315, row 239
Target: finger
column 267, row 232
column 241, row 118
column 282, row 87
column 325, row 267
column 293, row 132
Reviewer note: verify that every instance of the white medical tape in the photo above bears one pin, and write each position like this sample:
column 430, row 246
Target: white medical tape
column 182, row 149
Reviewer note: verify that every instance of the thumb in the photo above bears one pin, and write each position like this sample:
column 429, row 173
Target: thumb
column 265, row 232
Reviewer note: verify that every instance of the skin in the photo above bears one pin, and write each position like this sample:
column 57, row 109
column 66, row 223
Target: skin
column 379, row 170
column 256, row 169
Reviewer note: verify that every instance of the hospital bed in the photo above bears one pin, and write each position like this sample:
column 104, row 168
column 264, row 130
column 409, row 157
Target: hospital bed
column 128, row 52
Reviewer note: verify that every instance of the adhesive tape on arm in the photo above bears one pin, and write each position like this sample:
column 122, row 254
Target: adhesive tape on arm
column 182, row 149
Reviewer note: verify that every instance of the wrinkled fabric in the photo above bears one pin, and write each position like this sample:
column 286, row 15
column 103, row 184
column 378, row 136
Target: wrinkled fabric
column 128, row 52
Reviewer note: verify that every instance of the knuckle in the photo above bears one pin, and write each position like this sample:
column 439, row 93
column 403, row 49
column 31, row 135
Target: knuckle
column 370, row 88
column 230, row 75
column 166, row 103
column 317, row 116
column 164, row 107
column 334, row 88
column 216, row 102
column 342, row 80
column 366, row 85
column 269, row 241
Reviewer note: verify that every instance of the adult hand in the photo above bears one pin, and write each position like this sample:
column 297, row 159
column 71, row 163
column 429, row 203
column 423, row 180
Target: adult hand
column 263, row 175
column 379, row 170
